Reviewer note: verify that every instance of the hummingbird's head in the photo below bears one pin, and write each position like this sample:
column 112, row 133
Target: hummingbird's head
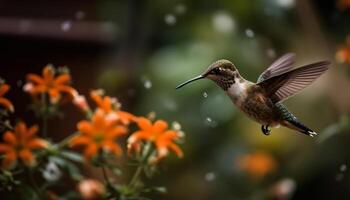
column 222, row 72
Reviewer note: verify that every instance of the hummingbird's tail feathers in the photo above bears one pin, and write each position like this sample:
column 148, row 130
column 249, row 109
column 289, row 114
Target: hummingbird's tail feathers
column 296, row 125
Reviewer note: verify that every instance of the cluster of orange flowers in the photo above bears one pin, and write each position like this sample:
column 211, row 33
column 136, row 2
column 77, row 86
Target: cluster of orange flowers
column 98, row 133
column 108, row 123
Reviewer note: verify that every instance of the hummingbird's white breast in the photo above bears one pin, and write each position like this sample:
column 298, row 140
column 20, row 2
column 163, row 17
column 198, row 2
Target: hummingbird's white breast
column 237, row 91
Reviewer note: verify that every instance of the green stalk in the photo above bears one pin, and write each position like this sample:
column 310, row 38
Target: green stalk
column 44, row 102
column 139, row 169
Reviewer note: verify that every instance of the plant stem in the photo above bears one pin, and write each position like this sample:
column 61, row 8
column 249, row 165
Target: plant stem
column 139, row 169
column 136, row 175
column 105, row 176
column 44, row 128
column 66, row 140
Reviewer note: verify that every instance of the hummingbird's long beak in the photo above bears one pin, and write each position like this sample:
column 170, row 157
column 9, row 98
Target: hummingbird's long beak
column 189, row 81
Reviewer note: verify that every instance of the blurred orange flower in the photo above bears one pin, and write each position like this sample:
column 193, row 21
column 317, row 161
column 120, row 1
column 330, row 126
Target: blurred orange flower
column 343, row 54
column 4, row 88
column 20, row 144
column 110, row 106
column 257, row 164
column 156, row 133
column 98, row 134
column 48, row 83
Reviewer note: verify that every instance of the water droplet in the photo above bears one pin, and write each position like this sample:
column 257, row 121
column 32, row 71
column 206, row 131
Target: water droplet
column 170, row 19
column 343, row 168
column 210, row 122
column 205, row 95
column 147, row 84
column 223, row 22
column 66, row 26
column 249, row 33
column 180, row 9
column 210, row 176
column 208, row 119
column 79, row 15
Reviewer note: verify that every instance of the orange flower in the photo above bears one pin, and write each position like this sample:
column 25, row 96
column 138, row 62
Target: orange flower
column 4, row 88
column 98, row 134
column 110, row 106
column 48, row 83
column 20, row 144
column 156, row 133
column 257, row 164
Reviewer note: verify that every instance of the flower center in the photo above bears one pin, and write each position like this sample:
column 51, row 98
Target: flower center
column 99, row 137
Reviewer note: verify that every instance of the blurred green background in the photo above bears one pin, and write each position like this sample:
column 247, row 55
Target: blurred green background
column 140, row 50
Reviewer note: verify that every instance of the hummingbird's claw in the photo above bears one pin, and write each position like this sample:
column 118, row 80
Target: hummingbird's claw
column 265, row 129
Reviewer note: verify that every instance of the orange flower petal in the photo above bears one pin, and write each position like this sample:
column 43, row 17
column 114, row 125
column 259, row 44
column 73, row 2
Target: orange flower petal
column 115, row 132
column 98, row 120
column 112, row 147
column 107, row 104
column 63, row 79
column 85, row 127
column 3, row 89
column 139, row 135
column 37, row 144
column 5, row 148
column 159, row 126
column 10, row 138
column 27, row 157
column 32, row 131
column 7, row 104
column 37, row 89
column 54, row 95
column 48, row 73
column 125, row 117
column 35, row 79
column 21, row 131
column 67, row 89
column 162, row 152
column 97, row 98
column 80, row 141
column 91, row 150
column 176, row 149
column 144, row 123
column 10, row 160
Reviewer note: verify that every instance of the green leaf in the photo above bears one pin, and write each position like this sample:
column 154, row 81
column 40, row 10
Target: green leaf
column 72, row 156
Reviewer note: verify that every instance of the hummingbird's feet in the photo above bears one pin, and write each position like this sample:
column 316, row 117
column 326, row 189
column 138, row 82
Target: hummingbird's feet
column 265, row 129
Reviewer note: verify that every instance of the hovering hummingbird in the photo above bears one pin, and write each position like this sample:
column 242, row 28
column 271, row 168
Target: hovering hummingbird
column 261, row 101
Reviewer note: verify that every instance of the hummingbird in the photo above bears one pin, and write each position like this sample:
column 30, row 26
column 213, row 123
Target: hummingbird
column 262, row 101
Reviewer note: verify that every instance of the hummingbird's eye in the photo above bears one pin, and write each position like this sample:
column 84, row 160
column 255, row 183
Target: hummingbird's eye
column 216, row 71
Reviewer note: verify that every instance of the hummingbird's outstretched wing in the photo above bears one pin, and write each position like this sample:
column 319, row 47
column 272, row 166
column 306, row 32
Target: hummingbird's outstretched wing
column 283, row 86
column 280, row 66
